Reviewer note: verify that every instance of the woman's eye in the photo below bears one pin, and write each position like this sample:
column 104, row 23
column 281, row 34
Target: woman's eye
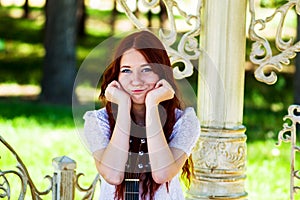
column 125, row 70
column 148, row 69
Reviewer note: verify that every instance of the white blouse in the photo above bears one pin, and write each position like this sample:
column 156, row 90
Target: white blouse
column 185, row 134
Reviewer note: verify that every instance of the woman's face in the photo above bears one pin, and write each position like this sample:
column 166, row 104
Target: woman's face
column 136, row 75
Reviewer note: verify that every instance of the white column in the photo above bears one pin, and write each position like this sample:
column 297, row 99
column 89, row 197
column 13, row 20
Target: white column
column 220, row 156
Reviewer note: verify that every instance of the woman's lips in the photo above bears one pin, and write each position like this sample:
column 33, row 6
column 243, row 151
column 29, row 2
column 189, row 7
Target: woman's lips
column 137, row 91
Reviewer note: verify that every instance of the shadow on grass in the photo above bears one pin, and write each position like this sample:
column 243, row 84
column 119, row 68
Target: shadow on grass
column 50, row 115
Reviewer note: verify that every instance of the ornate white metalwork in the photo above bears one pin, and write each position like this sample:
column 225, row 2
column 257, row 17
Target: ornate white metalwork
column 90, row 191
column 22, row 173
column 26, row 181
column 261, row 53
column 188, row 46
column 288, row 134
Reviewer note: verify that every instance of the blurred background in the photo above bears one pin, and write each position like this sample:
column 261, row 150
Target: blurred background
column 44, row 43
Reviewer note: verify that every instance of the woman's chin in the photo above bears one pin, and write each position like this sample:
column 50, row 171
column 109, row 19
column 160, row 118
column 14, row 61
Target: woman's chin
column 138, row 101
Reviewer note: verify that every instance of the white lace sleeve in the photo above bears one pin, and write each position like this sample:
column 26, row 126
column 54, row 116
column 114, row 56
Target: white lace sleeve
column 96, row 130
column 186, row 131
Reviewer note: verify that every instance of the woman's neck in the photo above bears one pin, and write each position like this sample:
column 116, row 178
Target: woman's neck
column 138, row 111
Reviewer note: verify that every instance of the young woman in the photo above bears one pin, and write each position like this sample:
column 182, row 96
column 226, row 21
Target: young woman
column 142, row 139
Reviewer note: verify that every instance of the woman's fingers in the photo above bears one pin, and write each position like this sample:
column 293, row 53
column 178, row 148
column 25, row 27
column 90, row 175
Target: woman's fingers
column 115, row 93
column 165, row 84
column 114, row 84
column 162, row 91
column 158, row 84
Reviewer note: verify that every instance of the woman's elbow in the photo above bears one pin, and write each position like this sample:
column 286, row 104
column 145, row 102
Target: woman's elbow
column 161, row 177
column 166, row 174
column 116, row 180
column 113, row 178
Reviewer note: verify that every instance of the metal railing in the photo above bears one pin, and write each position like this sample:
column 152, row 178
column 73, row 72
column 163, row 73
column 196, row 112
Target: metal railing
column 289, row 134
column 268, row 62
column 63, row 182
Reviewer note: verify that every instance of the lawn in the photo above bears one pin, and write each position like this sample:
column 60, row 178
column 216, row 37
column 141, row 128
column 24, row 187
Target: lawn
column 40, row 132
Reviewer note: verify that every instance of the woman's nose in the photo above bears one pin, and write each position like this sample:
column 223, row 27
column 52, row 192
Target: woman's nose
column 136, row 79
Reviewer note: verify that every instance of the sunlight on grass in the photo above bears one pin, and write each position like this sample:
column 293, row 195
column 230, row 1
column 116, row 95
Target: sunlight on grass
column 19, row 50
column 14, row 89
column 38, row 141
column 268, row 172
column 37, row 145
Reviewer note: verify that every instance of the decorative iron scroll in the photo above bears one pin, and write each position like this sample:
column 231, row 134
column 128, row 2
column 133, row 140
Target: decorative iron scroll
column 288, row 134
column 188, row 46
column 261, row 53
column 90, row 191
column 23, row 175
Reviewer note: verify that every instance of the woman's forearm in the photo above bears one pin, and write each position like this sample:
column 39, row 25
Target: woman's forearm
column 163, row 163
column 112, row 162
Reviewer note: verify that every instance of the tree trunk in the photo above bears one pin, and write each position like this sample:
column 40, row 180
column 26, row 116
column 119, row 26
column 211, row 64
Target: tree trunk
column 81, row 17
column 60, row 61
column 113, row 17
column 26, row 9
column 297, row 66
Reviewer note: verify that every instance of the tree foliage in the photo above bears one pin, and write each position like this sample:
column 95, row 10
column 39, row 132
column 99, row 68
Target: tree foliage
column 272, row 3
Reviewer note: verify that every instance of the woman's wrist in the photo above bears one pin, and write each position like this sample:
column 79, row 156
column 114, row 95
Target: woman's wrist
column 153, row 122
column 125, row 103
column 149, row 102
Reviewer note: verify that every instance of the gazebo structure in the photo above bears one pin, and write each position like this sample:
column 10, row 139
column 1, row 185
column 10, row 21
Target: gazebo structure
column 220, row 157
column 217, row 38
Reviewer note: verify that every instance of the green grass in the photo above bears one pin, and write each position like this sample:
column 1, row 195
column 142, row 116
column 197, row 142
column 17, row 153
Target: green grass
column 21, row 43
column 267, row 172
column 39, row 133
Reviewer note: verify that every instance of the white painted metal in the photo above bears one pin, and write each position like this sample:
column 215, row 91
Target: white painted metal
column 261, row 53
column 221, row 153
column 289, row 134
column 64, row 178
column 187, row 48
column 220, row 158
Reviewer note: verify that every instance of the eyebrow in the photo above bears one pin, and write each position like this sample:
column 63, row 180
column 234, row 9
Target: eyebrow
column 146, row 65
column 125, row 66
column 143, row 65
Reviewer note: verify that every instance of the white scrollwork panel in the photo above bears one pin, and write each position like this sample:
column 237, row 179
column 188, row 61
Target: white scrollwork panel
column 22, row 174
column 261, row 52
column 288, row 134
column 188, row 46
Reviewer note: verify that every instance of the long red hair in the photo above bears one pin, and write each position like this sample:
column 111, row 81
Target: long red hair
column 154, row 52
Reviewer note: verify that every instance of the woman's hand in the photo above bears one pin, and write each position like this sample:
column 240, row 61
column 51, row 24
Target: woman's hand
column 116, row 94
column 162, row 91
